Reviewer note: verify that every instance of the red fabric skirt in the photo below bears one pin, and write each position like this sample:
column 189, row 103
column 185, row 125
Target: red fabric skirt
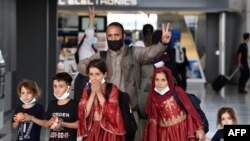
column 99, row 134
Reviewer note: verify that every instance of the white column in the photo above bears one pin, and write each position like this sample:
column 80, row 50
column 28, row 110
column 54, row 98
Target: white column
column 247, row 16
column 222, row 47
column 222, row 43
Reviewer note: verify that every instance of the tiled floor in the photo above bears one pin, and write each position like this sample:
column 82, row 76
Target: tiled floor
column 211, row 102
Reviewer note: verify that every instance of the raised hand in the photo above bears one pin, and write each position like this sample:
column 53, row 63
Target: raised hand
column 91, row 12
column 91, row 17
column 166, row 34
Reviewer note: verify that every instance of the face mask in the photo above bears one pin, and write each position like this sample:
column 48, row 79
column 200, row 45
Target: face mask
column 64, row 96
column 30, row 102
column 115, row 45
column 103, row 80
column 163, row 91
column 94, row 40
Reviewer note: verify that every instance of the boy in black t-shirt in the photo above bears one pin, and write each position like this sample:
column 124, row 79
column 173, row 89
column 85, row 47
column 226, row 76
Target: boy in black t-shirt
column 61, row 115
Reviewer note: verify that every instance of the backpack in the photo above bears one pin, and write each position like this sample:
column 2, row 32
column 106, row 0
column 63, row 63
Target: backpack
column 79, row 84
column 196, row 103
column 127, row 115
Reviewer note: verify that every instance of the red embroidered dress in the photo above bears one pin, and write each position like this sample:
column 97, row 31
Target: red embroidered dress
column 103, row 123
column 167, row 121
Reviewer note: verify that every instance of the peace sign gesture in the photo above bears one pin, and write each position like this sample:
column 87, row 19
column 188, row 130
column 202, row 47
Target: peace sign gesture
column 91, row 17
column 91, row 12
column 166, row 34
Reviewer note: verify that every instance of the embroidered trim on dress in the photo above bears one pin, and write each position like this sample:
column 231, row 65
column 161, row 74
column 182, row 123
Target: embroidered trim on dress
column 172, row 121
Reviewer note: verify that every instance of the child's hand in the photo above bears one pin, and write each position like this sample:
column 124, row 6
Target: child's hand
column 200, row 134
column 14, row 117
column 27, row 117
column 55, row 123
column 19, row 117
column 58, row 127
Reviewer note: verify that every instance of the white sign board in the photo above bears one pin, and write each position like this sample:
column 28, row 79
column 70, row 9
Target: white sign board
column 98, row 2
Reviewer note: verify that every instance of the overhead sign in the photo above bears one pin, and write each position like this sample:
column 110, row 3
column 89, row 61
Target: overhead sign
column 97, row 2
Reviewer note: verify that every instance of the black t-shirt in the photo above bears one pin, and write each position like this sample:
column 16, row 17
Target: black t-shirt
column 68, row 113
column 243, row 49
column 29, row 131
column 218, row 135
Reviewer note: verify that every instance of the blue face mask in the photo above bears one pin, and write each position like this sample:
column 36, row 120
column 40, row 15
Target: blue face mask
column 94, row 40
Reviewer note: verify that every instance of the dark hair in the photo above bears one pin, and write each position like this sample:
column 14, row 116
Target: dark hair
column 97, row 63
column 246, row 36
column 156, row 38
column 63, row 76
column 147, row 29
column 147, row 32
column 30, row 85
column 117, row 25
column 228, row 110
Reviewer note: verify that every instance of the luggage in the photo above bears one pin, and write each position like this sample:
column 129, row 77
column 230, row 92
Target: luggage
column 222, row 80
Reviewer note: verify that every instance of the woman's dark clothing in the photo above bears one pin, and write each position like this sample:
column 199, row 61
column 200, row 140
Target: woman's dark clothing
column 244, row 70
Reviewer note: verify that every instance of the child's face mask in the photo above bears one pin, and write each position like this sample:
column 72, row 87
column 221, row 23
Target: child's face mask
column 64, row 96
column 162, row 91
column 29, row 102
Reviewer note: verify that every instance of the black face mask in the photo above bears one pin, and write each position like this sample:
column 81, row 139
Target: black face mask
column 115, row 44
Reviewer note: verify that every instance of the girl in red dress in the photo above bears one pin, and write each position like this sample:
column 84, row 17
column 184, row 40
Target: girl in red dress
column 100, row 119
column 167, row 121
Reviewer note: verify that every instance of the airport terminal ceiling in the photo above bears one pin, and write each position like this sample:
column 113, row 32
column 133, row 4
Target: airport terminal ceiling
column 145, row 5
column 159, row 7
column 105, row 12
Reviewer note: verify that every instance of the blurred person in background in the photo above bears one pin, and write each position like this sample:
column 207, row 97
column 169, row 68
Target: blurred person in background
column 147, row 33
column 243, row 64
